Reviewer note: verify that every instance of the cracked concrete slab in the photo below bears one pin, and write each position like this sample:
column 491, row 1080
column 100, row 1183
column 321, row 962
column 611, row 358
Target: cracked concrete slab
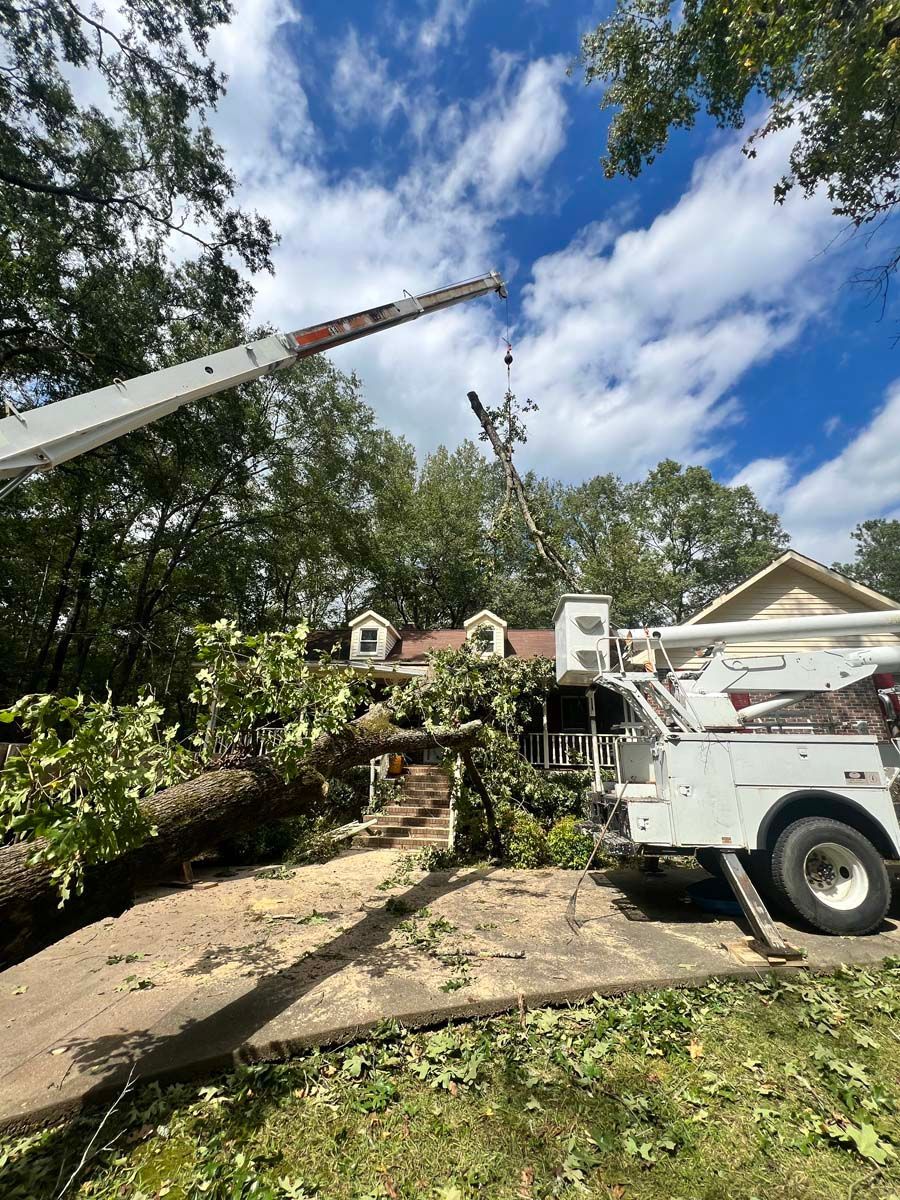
column 257, row 968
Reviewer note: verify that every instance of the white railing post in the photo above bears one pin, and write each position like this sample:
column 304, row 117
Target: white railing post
column 595, row 750
column 455, row 786
column 558, row 751
column 546, row 763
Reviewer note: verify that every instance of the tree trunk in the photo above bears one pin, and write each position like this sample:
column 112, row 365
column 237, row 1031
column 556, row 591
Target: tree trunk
column 490, row 815
column 192, row 817
column 515, row 486
column 59, row 600
column 79, row 606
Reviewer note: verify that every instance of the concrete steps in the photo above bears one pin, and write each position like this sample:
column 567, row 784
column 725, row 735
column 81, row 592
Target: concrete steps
column 418, row 817
column 438, row 821
column 392, row 843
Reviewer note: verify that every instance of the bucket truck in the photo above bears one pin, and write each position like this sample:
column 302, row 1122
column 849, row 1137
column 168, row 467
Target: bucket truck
column 808, row 818
column 41, row 438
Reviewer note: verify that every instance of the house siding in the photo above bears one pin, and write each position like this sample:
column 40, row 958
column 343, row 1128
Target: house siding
column 786, row 592
column 385, row 644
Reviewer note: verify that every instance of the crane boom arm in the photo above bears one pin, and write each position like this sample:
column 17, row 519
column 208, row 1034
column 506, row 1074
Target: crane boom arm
column 44, row 437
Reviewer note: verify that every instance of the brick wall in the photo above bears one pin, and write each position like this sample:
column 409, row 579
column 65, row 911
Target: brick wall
column 829, row 712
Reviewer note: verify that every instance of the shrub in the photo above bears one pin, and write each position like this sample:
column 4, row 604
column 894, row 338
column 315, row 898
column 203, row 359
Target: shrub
column 436, row 858
column 568, row 846
column 552, row 795
column 265, row 843
column 527, row 841
column 294, row 840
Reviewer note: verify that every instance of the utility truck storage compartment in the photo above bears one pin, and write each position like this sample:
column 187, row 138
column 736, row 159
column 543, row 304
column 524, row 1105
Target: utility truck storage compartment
column 581, row 625
column 650, row 821
column 636, row 762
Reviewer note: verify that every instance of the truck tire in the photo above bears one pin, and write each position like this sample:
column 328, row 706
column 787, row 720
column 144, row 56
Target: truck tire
column 832, row 875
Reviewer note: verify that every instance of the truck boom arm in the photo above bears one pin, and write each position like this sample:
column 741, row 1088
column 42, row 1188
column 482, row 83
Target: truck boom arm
column 43, row 437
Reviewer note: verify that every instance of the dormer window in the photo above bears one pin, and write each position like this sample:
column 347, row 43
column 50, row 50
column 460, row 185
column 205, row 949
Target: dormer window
column 368, row 640
column 371, row 636
column 482, row 638
column 486, row 632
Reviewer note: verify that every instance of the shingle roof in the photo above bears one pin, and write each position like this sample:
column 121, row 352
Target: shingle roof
column 416, row 644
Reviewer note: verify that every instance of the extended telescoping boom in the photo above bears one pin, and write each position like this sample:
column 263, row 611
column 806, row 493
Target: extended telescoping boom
column 44, row 437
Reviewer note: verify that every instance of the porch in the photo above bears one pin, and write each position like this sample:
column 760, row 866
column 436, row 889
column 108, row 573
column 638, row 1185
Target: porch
column 569, row 751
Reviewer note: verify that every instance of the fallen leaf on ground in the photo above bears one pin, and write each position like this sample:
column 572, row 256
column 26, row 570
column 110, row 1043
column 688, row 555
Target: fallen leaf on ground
column 695, row 1049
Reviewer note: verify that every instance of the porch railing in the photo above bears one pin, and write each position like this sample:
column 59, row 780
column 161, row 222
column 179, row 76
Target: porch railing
column 552, row 751
column 569, row 751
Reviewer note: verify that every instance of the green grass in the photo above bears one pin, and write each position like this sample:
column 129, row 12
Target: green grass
column 784, row 1088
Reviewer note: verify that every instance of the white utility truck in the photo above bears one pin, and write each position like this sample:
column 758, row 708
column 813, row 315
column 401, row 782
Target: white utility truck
column 809, row 817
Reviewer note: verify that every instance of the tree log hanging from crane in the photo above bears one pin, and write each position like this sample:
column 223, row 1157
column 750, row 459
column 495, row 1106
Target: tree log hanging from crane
column 193, row 817
column 514, row 484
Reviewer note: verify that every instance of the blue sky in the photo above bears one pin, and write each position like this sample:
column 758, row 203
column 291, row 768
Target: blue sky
column 408, row 145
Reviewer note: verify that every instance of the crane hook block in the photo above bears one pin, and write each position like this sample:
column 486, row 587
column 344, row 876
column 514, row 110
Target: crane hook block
column 508, row 358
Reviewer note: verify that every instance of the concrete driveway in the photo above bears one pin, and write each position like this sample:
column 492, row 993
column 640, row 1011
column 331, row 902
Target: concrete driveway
column 190, row 981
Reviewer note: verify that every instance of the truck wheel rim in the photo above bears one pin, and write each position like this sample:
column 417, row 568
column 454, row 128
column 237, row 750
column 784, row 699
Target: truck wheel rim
column 836, row 876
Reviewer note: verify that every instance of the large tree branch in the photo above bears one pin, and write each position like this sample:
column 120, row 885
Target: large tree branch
column 194, row 816
column 76, row 192
column 514, row 484
column 155, row 68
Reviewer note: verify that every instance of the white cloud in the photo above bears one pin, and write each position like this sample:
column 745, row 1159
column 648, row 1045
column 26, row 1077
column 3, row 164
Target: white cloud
column 358, row 239
column 361, row 85
column 766, row 478
column 264, row 115
column 448, row 20
column 634, row 341
column 515, row 141
column 820, row 508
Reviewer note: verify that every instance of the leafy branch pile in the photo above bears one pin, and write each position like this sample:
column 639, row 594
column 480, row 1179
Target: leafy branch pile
column 784, row 1086
column 76, row 788
column 523, row 803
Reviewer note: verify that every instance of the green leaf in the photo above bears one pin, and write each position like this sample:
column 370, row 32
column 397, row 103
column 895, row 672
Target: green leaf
column 864, row 1139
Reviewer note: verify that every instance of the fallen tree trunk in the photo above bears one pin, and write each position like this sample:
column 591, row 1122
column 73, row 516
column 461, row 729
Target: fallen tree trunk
column 192, row 817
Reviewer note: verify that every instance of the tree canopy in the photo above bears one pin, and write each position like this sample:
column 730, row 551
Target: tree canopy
column 828, row 70
column 664, row 546
column 877, row 561
column 114, row 195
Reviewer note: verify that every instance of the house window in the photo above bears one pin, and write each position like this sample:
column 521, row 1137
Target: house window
column 574, row 714
column 482, row 638
column 368, row 640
